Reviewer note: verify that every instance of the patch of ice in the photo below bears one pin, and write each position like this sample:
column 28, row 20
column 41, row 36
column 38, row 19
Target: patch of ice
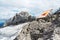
column 10, row 32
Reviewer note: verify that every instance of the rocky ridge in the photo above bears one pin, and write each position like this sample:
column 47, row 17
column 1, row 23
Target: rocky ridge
column 19, row 18
column 47, row 28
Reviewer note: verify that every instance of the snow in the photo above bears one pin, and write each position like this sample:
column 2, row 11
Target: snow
column 11, row 32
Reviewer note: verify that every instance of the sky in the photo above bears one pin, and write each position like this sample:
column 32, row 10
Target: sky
column 8, row 8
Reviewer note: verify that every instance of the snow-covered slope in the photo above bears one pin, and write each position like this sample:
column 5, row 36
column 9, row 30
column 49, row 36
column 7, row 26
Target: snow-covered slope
column 10, row 32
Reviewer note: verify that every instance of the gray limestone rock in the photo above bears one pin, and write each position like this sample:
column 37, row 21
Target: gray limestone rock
column 42, row 29
column 21, row 17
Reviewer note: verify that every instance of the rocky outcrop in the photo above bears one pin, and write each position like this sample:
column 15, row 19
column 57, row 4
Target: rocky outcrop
column 21, row 17
column 47, row 28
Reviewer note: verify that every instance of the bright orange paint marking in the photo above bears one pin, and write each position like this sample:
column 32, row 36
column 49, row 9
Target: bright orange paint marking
column 44, row 14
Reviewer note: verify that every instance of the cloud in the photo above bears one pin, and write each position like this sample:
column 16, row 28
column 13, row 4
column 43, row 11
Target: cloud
column 8, row 8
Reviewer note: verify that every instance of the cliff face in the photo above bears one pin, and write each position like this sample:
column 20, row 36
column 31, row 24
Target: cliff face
column 47, row 28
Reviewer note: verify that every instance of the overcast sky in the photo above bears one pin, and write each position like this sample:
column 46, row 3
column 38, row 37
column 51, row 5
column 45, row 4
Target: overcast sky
column 8, row 8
